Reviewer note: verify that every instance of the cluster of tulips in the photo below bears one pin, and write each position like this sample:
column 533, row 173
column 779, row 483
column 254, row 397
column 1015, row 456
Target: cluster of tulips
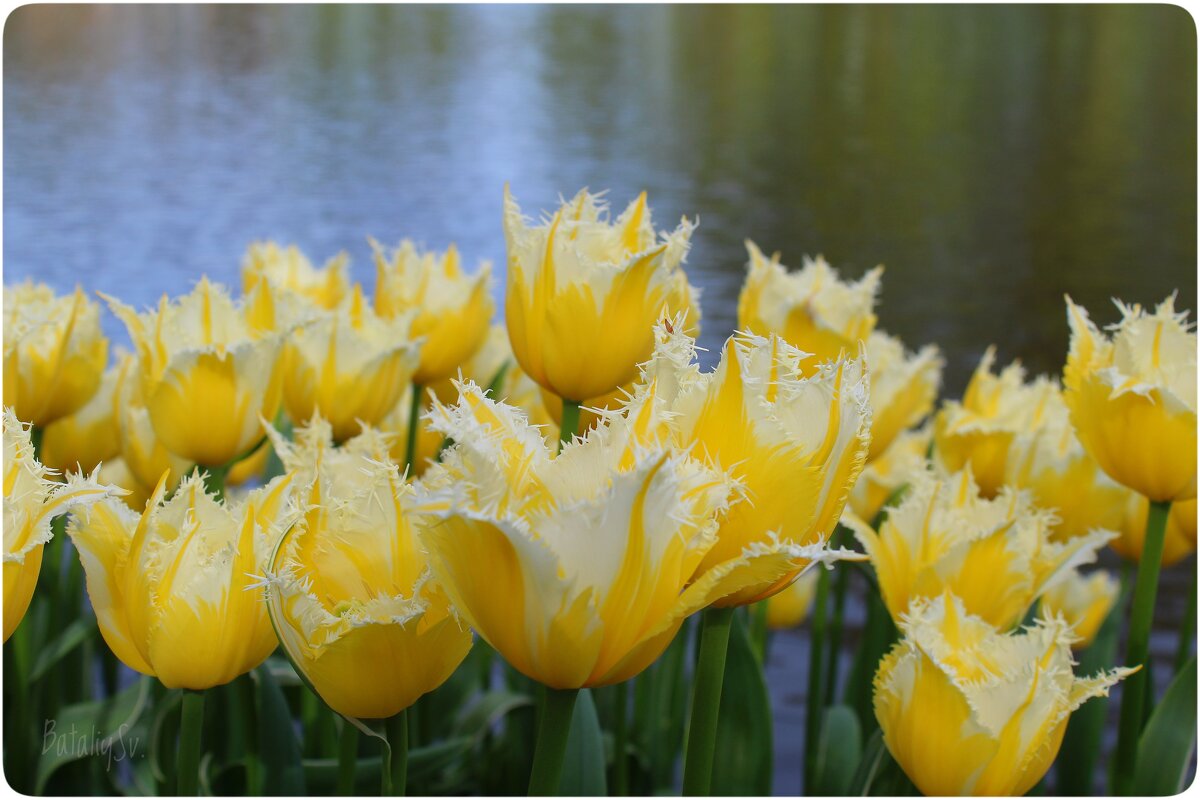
column 365, row 499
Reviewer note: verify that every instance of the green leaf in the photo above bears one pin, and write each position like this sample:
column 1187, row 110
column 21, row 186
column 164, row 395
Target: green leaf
column 278, row 746
column 743, row 765
column 95, row 728
column 660, row 700
column 878, row 635
column 478, row 718
column 423, row 762
column 878, row 774
column 583, row 766
column 1075, row 767
column 71, row 637
column 1169, row 738
column 839, row 751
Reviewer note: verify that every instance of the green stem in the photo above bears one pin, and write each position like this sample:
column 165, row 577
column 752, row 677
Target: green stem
column 214, row 480
column 414, row 417
column 570, row 422
column 395, row 756
column 620, row 787
column 706, row 701
column 833, row 650
column 758, row 629
column 248, row 708
column 347, row 760
column 1137, row 647
column 187, row 763
column 813, row 704
column 554, row 723
column 1187, row 628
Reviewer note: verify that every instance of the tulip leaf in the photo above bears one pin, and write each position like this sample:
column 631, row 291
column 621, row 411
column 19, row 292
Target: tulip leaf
column 71, row 637
column 583, row 772
column 839, row 751
column 1169, row 739
column 878, row 774
column 744, row 736
column 660, row 697
column 321, row 774
column 1075, row 767
column 278, row 747
column 95, row 728
column 478, row 718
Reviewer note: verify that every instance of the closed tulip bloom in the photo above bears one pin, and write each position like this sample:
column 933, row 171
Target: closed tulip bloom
column 584, row 294
column 995, row 554
column 1179, row 538
column 208, row 378
column 452, row 310
column 288, row 269
column 903, row 388
column 883, row 477
column 349, row 590
column 54, row 352
column 1132, row 397
column 980, row 430
column 1083, row 601
column 968, row 710
column 1050, row 462
column 579, row 569
column 31, row 501
column 349, row 366
column 172, row 588
column 790, row 607
column 812, row 308
column 145, row 456
column 80, row 441
column 795, row 443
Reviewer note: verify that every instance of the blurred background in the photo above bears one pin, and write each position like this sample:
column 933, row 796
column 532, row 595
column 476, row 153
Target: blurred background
column 992, row 158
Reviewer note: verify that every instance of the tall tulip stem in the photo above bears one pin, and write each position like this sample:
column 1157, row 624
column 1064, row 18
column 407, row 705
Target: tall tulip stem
column 395, row 756
column 554, row 723
column 1138, row 647
column 347, row 760
column 570, row 422
column 187, row 762
column 706, row 701
column 414, row 416
column 620, row 739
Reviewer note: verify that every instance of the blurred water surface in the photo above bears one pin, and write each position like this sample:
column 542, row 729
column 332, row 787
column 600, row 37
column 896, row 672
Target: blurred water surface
column 992, row 158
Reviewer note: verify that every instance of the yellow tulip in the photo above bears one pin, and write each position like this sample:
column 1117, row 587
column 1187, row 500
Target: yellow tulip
column 115, row 472
column 979, row 431
column 349, row 591
column 1049, row 461
column 995, row 554
column 967, row 710
column 1084, row 602
column 579, row 569
column 349, row 366
column 1179, row 539
column 584, row 295
column 172, row 587
column 54, row 352
column 208, row 378
column 794, row 444
column 289, row 269
column 790, row 607
column 144, row 455
column 31, row 501
column 1133, row 398
column 812, row 309
column 903, row 388
column 882, row 477
column 80, row 441
column 452, row 310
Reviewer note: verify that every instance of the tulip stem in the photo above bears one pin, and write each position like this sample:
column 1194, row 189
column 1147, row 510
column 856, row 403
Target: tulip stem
column 347, row 760
column 248, row 700
column 570, row 422
column 187, row 762
column 813, row 703
column 620, row 739
column 706, row 701
column 1137, row 647
column 554, row 723
column 395, row 756
column 414, row 416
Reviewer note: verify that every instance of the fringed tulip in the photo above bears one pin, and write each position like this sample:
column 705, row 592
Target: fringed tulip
column 883, row 477
column 79, row 442
column 288, row 269
column 1083, row 601
column 903, row 388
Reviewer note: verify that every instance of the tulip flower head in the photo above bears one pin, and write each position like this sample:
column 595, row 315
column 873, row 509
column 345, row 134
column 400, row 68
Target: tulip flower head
column 1083, row 601
column 349, row 588
column 144, row 454
column 349, row 366
column 903, row 388
column 31, row 501
column 979, row 431
column 54, row 352
column 288, row 269
column 995, row 554
column 968, row 710
column 170, row 586
column 451, row 309
column 1179, row 538
column 883, row 477
column 1132, row 397
column 812, row 308
column 584, row 294
column 80, row 441
column 208, row 377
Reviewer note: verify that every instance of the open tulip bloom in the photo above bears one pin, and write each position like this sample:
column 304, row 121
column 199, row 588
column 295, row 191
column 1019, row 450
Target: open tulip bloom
column 287, row 269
